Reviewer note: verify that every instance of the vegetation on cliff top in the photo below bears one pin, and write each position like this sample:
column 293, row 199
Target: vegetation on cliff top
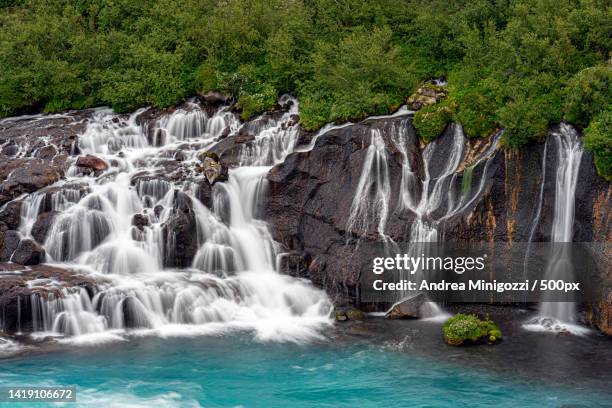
column 461, row 329
column 517, row 64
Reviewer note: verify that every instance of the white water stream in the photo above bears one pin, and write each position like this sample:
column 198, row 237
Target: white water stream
column 432, row 198
column 561, row 316
column 232, row 283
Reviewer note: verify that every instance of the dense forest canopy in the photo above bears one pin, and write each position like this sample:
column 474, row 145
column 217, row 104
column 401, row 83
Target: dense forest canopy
column 517, row 64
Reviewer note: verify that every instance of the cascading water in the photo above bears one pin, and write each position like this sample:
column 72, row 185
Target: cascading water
column 371, row 199
column 561, row 316
column 232, row 283
column 432, row 198
column 275, row 138
column 438, row 196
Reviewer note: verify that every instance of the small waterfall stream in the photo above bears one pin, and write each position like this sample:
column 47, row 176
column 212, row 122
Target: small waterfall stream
column 232, row 283
column 561, row 316
column 371, row 199
column 432, row 198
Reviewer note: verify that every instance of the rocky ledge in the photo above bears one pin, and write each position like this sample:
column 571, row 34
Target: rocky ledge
column 312, row 196
column 19, row 285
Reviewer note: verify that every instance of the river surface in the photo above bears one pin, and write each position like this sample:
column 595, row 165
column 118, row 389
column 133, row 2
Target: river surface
column 370, row 364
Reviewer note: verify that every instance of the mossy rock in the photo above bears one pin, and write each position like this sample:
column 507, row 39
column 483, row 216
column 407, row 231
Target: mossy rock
column 426, row 95
column 203, row 155
column 349, row 314
column 464, row 329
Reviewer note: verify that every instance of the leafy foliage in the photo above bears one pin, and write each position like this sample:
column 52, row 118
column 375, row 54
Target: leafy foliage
column 589, row 93
column 598, row 139
column 518, row 64
column 432, row 120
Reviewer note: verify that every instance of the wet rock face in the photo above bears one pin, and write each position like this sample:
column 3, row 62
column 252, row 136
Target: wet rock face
column 11, row 214
column 407, row 308
column 25, row 176
column 91, row 164
column 50, row 139
column 181, row 234
column 16, row 294
column 28, row 252
column 293, row 264
column 43, row 225
column 311, row 195
column 204, row 192
column 140, row 221
column 230, row 147
column 9, row 241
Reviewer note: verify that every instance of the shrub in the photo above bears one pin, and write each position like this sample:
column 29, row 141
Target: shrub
column 598, row 139
column 589, row 92
column 476, row 113
column 431, row 121
column 252, row 104
column 206, row 78
column 461, row 329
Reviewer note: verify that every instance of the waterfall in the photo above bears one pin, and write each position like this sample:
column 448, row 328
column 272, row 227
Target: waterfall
column 275, row 138
column 371, row 199
column 561, row 316
column 432, row 198
column 569, row 155
column 124, row 227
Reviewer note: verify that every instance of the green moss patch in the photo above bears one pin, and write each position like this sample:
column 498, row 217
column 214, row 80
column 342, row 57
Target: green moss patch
column 464, row 329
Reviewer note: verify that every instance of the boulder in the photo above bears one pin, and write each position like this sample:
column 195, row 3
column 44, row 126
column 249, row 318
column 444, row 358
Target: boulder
column 179, row 155
column 350, row 313
column 213, row 98
column 25, row 176
column 212, row 167
column 28, row 252
column 407, row 308
column 428, row 94
column 225, row 133
column 11, row 214
column 16, row 294
column 230, row 147
column 464, row 329
column 91, row 164
column 204, row 192
column 133, row 316
column 140, row 221
column 9, row 241
column 10, row 149
column 46, row 153
column 181, row 234
column 42, row 225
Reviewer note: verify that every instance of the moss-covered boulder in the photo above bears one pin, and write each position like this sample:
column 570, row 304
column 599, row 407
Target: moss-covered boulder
column 212, row 167
column 464, row 329
column 426, row 95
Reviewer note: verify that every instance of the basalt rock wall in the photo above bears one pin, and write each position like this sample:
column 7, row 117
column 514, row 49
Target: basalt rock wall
column 311, row 194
